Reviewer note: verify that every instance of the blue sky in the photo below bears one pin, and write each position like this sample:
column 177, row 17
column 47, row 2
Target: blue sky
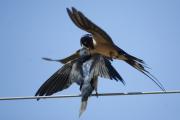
column 31, row 29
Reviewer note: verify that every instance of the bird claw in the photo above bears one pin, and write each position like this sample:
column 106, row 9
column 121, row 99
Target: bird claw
column 97, row 95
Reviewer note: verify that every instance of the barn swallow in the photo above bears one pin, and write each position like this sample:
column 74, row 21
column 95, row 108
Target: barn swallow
column 98, row 41
column 84, row 71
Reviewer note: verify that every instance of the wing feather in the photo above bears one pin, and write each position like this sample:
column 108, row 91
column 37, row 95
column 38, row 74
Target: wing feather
column 81, row 21
column 101, row 66
column 57, row 82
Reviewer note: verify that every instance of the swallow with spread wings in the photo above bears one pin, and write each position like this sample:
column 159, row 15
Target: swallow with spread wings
column 98, row 41
column 84, row 71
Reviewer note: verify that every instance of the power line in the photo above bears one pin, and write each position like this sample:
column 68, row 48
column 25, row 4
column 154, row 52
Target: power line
column 100, row 94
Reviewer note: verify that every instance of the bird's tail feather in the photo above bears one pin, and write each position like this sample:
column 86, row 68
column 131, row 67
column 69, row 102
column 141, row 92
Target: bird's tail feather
column 82, row 108
column 141, row 66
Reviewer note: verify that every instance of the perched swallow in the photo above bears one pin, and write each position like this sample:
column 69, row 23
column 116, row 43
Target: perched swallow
column 84, row 71
column 98, row 41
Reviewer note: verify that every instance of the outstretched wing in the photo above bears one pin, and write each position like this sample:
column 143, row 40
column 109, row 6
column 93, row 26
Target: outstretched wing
column 57, row 82
column 81, row 21
column 70, row 58
column 102, row 67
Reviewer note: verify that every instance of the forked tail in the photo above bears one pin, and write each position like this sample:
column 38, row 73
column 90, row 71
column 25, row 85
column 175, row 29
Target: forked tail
column 140, row 66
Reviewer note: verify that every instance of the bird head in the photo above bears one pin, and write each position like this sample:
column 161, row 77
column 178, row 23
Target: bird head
column 87, row 41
